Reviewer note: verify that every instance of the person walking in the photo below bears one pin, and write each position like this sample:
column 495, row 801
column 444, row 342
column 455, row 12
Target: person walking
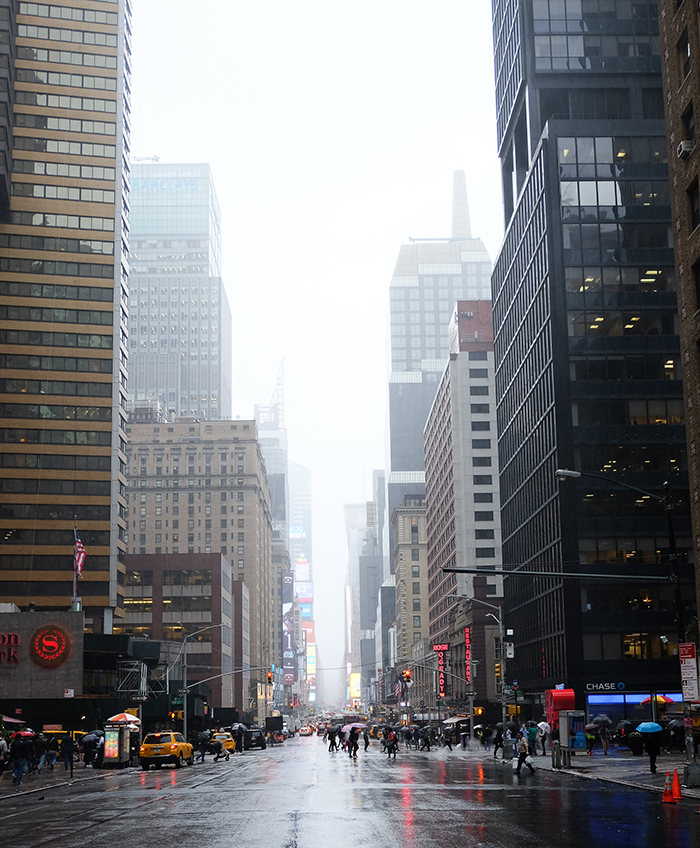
column 40, row 749
column 4, row 755
column 18, row 758
column 542, row 735
column 52, row 751
column 498, row 743
column 353, row 741
column 523, row 753
column 652, row 743
column 604, row 736
column 416, row 737
column 425, row 739
column 391, row 745
column 532, row 740
column 590, row 742
column 203, row 742
column 332, row 748
column 67, row 751
column 365, row 736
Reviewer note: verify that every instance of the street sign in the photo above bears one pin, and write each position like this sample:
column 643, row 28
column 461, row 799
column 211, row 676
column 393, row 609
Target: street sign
column 139, row 698
column 422, row 703
column 182, row 691
column 508, row 690
column 516, row 685
column 177, row 702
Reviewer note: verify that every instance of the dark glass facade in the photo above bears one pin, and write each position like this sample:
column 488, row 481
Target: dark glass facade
column 588, row 367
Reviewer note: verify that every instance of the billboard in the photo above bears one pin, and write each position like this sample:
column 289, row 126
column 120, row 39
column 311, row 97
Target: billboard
column 297, row 531
column 306, row 611
column 304, row 590
column 311, row 660
column 302, row 570
column 289, row 674
column 309, row 627
column 355, row 686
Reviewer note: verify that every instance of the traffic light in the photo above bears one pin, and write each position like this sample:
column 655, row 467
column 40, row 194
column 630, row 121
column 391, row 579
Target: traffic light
column 498, row 670
column 478, row 711
column 407, row 675
column 269, row 677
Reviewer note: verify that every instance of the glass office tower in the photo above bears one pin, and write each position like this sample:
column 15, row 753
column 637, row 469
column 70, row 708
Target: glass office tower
column 180, row 340
column 588, row 369
column 64, row 303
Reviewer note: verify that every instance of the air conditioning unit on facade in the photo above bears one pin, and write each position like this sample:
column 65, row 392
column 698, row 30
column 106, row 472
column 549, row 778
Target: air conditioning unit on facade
column 685, row 148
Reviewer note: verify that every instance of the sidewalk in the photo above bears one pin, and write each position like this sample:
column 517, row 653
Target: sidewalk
column 621, row 767
column 49, row 779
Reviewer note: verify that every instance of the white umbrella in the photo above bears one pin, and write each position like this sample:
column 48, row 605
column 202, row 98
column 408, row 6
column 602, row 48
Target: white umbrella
column 126, row 717
column 544, row 726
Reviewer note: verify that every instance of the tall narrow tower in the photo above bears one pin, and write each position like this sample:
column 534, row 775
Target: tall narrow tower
column 430, row 276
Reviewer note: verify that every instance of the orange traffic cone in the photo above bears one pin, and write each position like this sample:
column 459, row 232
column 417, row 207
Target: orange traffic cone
column 667, row 797
column 676, row 786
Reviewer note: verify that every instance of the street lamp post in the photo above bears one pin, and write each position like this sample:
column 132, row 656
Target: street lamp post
column 184, row 671
column 499, row 620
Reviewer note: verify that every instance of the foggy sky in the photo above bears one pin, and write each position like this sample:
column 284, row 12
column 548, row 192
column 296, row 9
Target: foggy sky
column 332, row 130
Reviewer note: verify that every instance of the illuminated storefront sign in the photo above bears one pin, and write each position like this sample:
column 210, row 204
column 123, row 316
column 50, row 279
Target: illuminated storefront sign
column 468, row 655
column 440, row 651
column 9, row 643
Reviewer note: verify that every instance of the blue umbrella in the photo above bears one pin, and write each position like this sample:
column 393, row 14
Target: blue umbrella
column 649, row 727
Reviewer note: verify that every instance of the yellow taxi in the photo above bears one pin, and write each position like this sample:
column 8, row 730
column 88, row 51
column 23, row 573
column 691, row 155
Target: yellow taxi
column 165, row 747
column 226, row 740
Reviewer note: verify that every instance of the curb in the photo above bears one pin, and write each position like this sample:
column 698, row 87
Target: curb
column 18, row 792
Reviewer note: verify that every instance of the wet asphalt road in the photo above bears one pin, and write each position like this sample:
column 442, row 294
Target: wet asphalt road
column 297, row 795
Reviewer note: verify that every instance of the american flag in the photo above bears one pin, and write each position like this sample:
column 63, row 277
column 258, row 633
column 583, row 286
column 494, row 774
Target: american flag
column 79, row 553
column 397, row 687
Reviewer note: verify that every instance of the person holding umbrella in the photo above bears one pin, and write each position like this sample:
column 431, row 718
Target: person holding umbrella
column 651, row 731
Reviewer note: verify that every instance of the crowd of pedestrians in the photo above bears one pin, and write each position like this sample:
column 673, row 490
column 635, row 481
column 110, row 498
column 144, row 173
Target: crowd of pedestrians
column 28, row 754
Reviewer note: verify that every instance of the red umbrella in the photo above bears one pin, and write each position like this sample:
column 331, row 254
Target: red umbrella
column 660, row 699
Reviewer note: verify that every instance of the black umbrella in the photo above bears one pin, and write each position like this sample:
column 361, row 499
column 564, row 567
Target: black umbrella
column 511, row 725
column 602, row 719
column 676, row 722
column 499, row 725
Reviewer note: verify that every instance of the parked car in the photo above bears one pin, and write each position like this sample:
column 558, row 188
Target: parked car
column 166, row 747
column 226, row 740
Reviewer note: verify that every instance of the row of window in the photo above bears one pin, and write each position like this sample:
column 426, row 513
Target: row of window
column 68, row 13
column 593, row 413
column 55, row 387
column 72, row 148
column 52, row 461
column 61, row 413
column 59, row 269
column 65, row 101
column 35, row 486
column 56, row 363
column 74, row 125
column 63, row 192
column 62, row 245
column 65, row 79
column 618, row 367
column 16, row 436
column 64, row 57
column 36, row 337
column 72, row 36
column 592, row 280
column 57, row 512
column 64, row 222
column 55, row 316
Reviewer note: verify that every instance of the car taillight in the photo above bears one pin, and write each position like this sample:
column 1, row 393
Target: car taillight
column 142, row 750
column 173, row 747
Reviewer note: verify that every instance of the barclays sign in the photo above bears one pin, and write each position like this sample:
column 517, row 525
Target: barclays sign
column 165, row 185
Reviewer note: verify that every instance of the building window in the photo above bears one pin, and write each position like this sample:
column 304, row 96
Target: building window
column 684, row 54
column 481, row 444
column 485, row 553
column 240, row 563
column 239, row 496
column 417, row 637
column 240, row 510
column 481, row 461
column 480, row 426
column 478, row 390
column 483, row 497
column 416, row 605
column 415, row 571
column 415, row 554
column 416, row 588
column 483, row 534
column 689, row 124
column 483, row 516
column 159, row 510
column 240, row 550
column 694, row 200
column 240, row 537
column 475, row 373
column 479, row 409
column 416, row 621
column 482, row 480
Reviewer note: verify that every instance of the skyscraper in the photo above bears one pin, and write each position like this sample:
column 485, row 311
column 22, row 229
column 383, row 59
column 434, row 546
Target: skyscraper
column 180, row 320
column 587, row 352
column 430, row 275
column 64, row 302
